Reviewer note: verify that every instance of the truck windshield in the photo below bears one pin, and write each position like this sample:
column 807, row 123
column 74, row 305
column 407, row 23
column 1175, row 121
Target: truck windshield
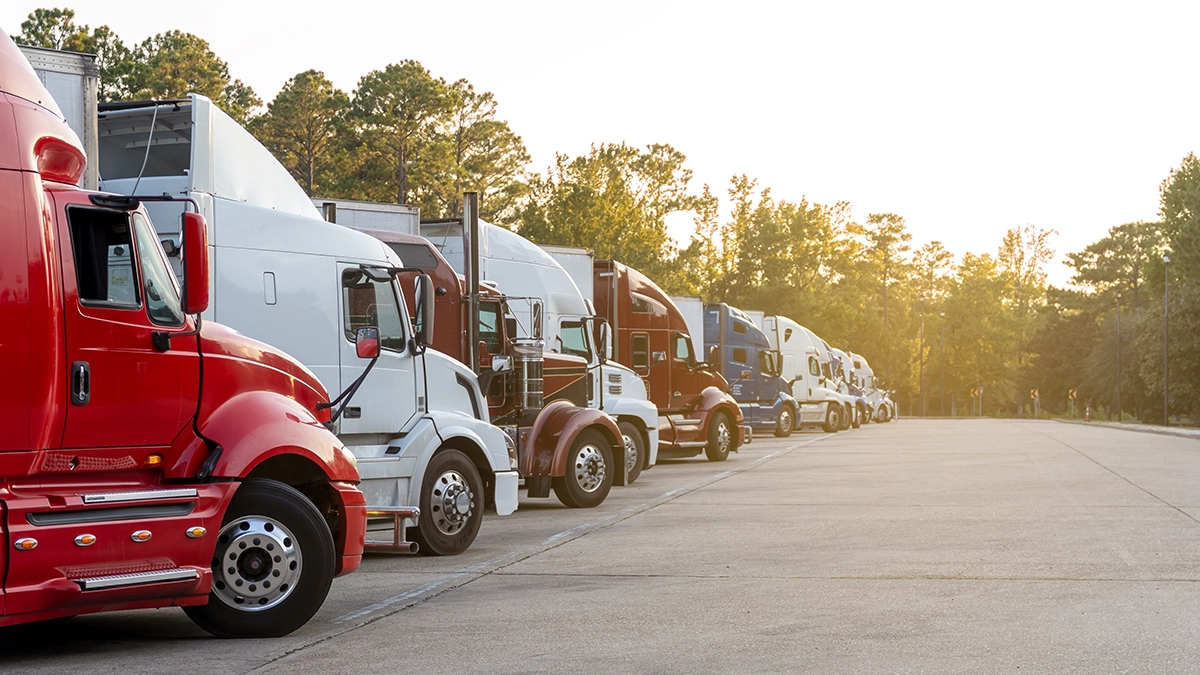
column 162, row 295
column 574, row 339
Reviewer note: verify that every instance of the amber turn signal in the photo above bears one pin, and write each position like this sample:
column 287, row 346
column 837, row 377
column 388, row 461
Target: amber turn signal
column 140, row 536
column 85, row 540
column 196, row 532
column 154, row 460
column 26, row 544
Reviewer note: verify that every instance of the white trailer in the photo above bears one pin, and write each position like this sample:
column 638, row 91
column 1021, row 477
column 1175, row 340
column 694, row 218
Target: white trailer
column 73, row 79
column 692, row 309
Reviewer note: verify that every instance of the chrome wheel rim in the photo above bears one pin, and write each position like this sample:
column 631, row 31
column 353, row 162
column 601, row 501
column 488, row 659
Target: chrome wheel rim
column 589, row 468
column 785, row 421
column 724, row 437
column 256, row 564
column 452, row 502
column 631, row 454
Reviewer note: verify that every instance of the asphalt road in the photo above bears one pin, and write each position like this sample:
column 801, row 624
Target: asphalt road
column 917, row 546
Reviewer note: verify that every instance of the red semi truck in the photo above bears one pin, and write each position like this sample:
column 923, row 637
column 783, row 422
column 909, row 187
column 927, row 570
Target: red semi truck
column 146, row 460
column 651, row 336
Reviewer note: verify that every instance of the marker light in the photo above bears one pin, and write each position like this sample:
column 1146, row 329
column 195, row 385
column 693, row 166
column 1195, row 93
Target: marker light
column 85, row 540
column 196, row 532
column 154, row 460
column 26, row 544
column 140, row 536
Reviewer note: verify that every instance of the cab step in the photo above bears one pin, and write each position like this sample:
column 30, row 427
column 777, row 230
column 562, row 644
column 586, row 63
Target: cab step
column 398, row 514
column 136, row 579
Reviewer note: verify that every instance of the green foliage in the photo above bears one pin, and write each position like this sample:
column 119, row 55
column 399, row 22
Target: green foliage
column 174, row 64
column 56, row 29
column 305, row 128
column 614, row 200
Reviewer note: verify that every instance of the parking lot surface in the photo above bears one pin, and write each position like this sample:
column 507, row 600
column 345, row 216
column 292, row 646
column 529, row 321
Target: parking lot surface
column 913, row 546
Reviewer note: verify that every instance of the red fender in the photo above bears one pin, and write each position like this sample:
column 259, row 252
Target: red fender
column 713, row 400
column 554, row 432
column 250, row 427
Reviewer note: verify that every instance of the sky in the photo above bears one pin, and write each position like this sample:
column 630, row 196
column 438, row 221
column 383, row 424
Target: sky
column 965, row 118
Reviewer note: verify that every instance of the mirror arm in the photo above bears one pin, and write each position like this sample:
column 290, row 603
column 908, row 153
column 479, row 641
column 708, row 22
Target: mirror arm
column 345, row 397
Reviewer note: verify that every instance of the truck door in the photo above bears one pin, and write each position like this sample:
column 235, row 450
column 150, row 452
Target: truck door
column 684, row 380
column 118, row 291
column 386, row 403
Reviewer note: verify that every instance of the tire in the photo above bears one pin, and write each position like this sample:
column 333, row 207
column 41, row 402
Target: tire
column 864, row 415
column 721, row 438
column 589, row 472
column 833, row 419
column 451, row 505
column 786, row 423
column 267, row 522
column 856, row 417
column 635, row 451
column 847, row 415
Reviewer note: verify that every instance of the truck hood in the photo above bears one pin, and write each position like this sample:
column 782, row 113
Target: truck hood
column 267, row 366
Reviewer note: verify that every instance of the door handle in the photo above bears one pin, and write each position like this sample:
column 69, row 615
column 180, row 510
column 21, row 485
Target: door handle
column 81, row 383
column 677, row 394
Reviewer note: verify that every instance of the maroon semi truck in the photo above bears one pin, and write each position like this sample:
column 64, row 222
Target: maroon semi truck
column 650, row 335
column 540, row 402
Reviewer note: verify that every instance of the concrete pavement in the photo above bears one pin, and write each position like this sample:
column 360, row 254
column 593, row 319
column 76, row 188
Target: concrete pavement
column 916, row 546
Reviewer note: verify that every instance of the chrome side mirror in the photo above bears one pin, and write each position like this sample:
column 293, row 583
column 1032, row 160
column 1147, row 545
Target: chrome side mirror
column 502, row 363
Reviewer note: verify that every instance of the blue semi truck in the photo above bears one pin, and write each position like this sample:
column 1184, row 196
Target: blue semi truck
column 752, row 367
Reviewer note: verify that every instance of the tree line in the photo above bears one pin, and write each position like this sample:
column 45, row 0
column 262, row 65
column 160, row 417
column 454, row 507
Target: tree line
column 945, row 333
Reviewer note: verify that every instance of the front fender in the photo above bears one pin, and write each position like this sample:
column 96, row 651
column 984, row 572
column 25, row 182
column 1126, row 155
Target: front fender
column 257, row 425
column 554, row 432
column 482, row 434
column 782, row 399
column 713, row 400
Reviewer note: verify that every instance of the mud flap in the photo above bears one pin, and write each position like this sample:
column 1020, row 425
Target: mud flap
column 747, row 434
column 538, row 486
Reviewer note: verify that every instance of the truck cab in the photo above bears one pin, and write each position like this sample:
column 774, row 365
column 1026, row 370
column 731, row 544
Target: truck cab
column 806, row 367
column 282, row 274
column 148, row 457
column 844, row 370
column 537, row 398
column 651, row 336
column 879, row 403
column 747, row 360
column 570, row 325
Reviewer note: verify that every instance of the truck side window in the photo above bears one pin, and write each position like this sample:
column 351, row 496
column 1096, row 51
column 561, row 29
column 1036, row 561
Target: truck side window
column 574, row 339
column 371, row 303
column 787, row 334
column 813, row 366
column 640, row 305
column 765, row 364
column 682, row 348
column 162, row 295
column 739, row 355
column 641, row 351
column 739, row 327
column 489, row 326
column 103, row 248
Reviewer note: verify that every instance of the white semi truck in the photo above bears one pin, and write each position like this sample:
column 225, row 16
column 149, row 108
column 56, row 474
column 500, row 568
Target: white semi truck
column 806, row 365
column 882, row 409
column 418, row 424
column 519, row 268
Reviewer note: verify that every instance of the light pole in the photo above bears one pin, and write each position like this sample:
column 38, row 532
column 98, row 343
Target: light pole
column 942, row 371
column 1166, row 321
column 1118, row 356
column 921, row 362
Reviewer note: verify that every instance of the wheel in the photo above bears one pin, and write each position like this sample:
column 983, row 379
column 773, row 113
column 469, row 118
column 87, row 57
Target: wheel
column 786, row 422
column 863, row 415
column 720, row 438
column 833, row 418
column 847, row 415
column 272, row 565
column 588, row 477
column 855, row 417
column 635, row 451
column 451, row 505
